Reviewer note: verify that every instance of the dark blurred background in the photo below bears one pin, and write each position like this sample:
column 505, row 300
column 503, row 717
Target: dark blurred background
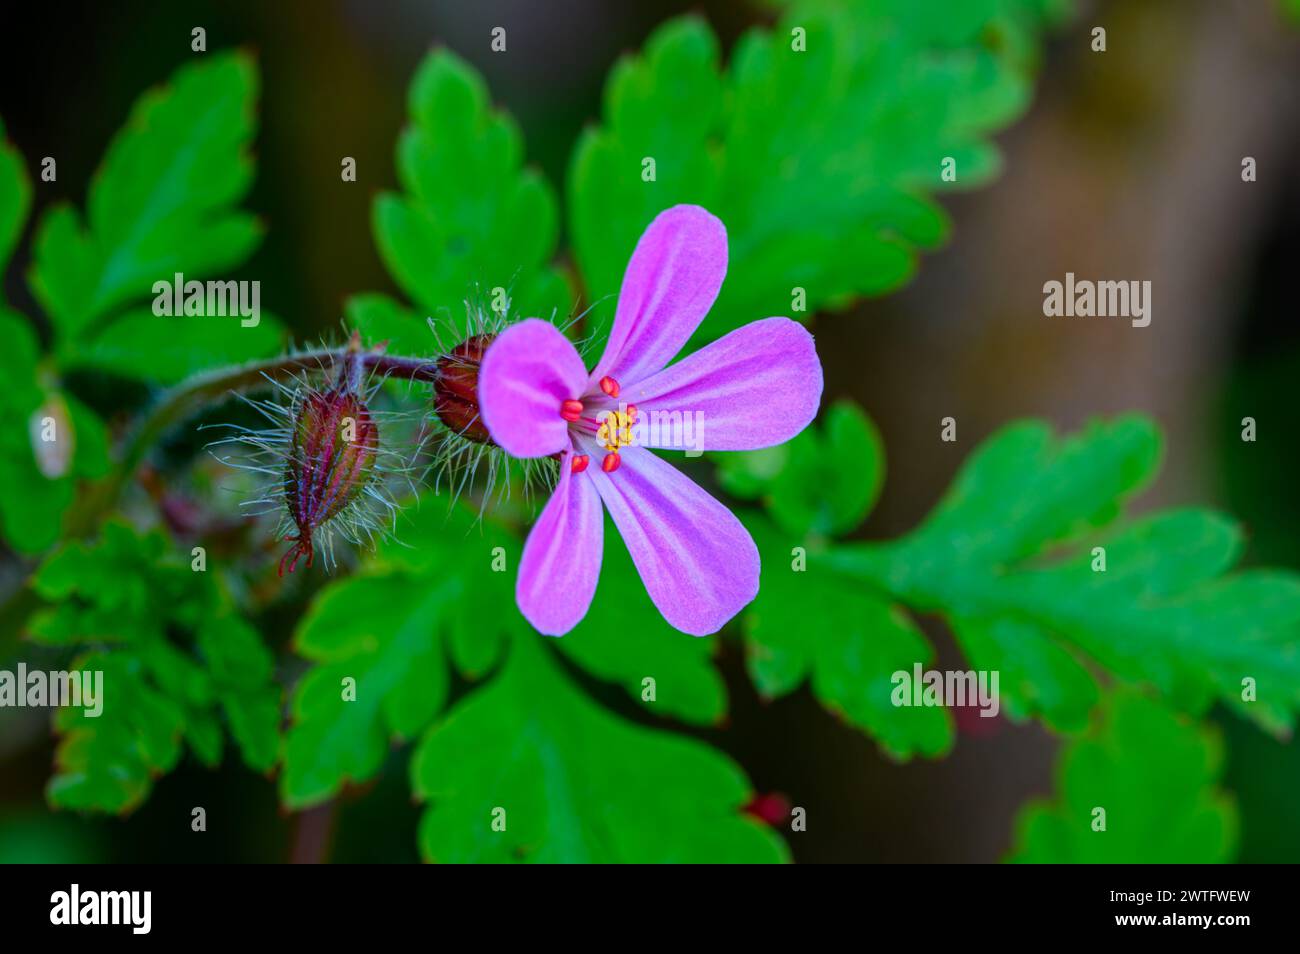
column 1126, row 171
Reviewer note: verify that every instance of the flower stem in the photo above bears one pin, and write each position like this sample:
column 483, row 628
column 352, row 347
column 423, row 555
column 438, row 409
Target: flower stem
column 187, row 397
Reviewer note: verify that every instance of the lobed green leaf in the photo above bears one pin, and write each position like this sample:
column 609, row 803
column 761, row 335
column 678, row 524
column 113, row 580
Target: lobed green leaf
column 819, row 147
column 471, row 219
column 1140, row 787
column 1028, row 559
column 177, row 663
column 528, row 769
column 164, row 202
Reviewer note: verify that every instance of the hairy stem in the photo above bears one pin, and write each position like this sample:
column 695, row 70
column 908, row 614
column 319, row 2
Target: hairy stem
column 190, row 395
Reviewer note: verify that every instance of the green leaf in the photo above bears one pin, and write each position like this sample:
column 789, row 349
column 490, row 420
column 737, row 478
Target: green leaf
column 470, row 219
column 253, row 719
column 664, row 105
column 571, row 783
column 1037, row 674
column 446, row 587
column 175, row 660
column 380, row 318
column 163, row 202
column 625, row 640
column 807, row 623
column 442, row 543
column 426, row 595
column 20, row 357
column 15, row 198
column 110, row 589
column 1154, row 774
column 439, row 545
column 242, row 674
column 108, row 762
column 1013, row 558
column 810, row 624
column 821, row 483
column 380, row 674
column 819, row 160
column 1023, row 488
column 168, row 349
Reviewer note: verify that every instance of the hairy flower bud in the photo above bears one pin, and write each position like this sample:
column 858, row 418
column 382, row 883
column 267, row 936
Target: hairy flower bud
column 455, row 392
column 331, row 460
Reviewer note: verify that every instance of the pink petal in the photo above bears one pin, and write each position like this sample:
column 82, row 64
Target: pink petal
column 561, row 561
column 669, row 286
column 697, row 561
column 527, row 372
column 756, row 387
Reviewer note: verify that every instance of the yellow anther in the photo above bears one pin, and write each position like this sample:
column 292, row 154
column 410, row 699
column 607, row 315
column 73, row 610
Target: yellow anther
column 615, row 430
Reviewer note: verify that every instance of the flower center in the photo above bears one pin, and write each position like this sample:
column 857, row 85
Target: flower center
column 616, row 429
column 613, row 430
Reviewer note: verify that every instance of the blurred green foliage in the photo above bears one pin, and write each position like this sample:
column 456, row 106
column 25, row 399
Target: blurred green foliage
column 471, row 220
column 819, row 145
column 165, row 200
column 1029, row 561
column 177, row 661
column 1140, row 787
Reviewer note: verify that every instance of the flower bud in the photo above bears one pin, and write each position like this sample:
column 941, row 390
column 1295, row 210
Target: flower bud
column 331, row 460
column 455, row 392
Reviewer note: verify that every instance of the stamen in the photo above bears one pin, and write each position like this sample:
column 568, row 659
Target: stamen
column 609, row 386
column 615, row 430
column 579, row 463
column 611, row 462
column 571, row 410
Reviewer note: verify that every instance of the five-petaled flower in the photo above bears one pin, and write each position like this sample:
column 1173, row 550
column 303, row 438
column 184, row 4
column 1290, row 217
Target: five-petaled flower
column 758, row 386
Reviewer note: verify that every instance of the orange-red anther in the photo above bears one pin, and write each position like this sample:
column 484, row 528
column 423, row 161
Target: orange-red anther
column 611, row 462
column 579, row 463
column 571, row 410
column 609, row 386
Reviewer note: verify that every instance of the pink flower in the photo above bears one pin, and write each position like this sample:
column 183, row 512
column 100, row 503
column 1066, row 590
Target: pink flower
column 756, row 387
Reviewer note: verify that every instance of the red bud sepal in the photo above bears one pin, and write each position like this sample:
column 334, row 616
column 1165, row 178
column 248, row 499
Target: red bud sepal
column 455, row 389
